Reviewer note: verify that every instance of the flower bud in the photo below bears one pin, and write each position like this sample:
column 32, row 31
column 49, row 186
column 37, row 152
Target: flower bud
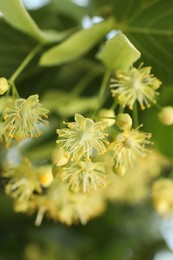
column 120, row 171
column 166, row 115
column 45, row 176
column 3, row 85
column 59, row 157
column 104, row 115
column 124, row 121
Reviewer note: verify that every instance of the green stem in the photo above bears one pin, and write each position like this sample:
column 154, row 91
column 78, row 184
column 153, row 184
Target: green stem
column 101, row 96
column 114, row 105
column 135, row 115
column 24, row 63
column 84, row 82
column 121, row 109
column 103, row 88
column 14, row 90
column 158, row 106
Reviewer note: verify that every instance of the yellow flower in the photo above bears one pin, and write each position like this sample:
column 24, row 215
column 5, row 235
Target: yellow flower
column 74, row 207
column 60, row 204
column 81, row 208
column 83, row 138
column 23, row 182
column 85, row 176
column 23, row 118
column 128, row 146
column 135, row 85
column 134, row 186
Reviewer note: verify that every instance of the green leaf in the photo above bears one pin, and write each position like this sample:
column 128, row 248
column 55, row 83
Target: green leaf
column 17, row 16
column 118, row 53
column 57, row 101
column 76, row 45
column 10, row 53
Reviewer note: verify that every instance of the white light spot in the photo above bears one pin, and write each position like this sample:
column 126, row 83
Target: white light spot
column 112, row 33
column 35, row 4
column 87, row 22
column 82, row 3
column 163, row 255
column 166, row 228
column 97, row 19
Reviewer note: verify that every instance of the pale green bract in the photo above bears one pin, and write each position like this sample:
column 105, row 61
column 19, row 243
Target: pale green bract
column 118, row 53
column 76, row 45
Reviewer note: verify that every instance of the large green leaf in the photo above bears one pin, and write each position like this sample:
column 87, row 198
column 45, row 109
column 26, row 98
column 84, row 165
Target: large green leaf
column 149, row 26
column 14, row 47
column 119, row 53
column 17, row 16
column 77, row 45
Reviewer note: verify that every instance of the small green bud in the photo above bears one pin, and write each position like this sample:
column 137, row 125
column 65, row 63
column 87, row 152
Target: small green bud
column 3, row 85
column 107, row 115
column 59, row 157
column 124, row 121
column 166, row 116
column 120, row 171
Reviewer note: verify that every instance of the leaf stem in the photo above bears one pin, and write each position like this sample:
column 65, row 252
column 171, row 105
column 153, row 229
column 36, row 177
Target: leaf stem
column 24, row 63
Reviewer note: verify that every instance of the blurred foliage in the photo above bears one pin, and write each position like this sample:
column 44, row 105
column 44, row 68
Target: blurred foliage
column 123, row 232
column 119, row 234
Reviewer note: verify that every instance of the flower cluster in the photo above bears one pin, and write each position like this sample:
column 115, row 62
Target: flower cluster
column 105, row 156
column 91, row 156
column 61, row 204
column 134, row 186
column 87, row 153
column 82, row 141
column 85, row 141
